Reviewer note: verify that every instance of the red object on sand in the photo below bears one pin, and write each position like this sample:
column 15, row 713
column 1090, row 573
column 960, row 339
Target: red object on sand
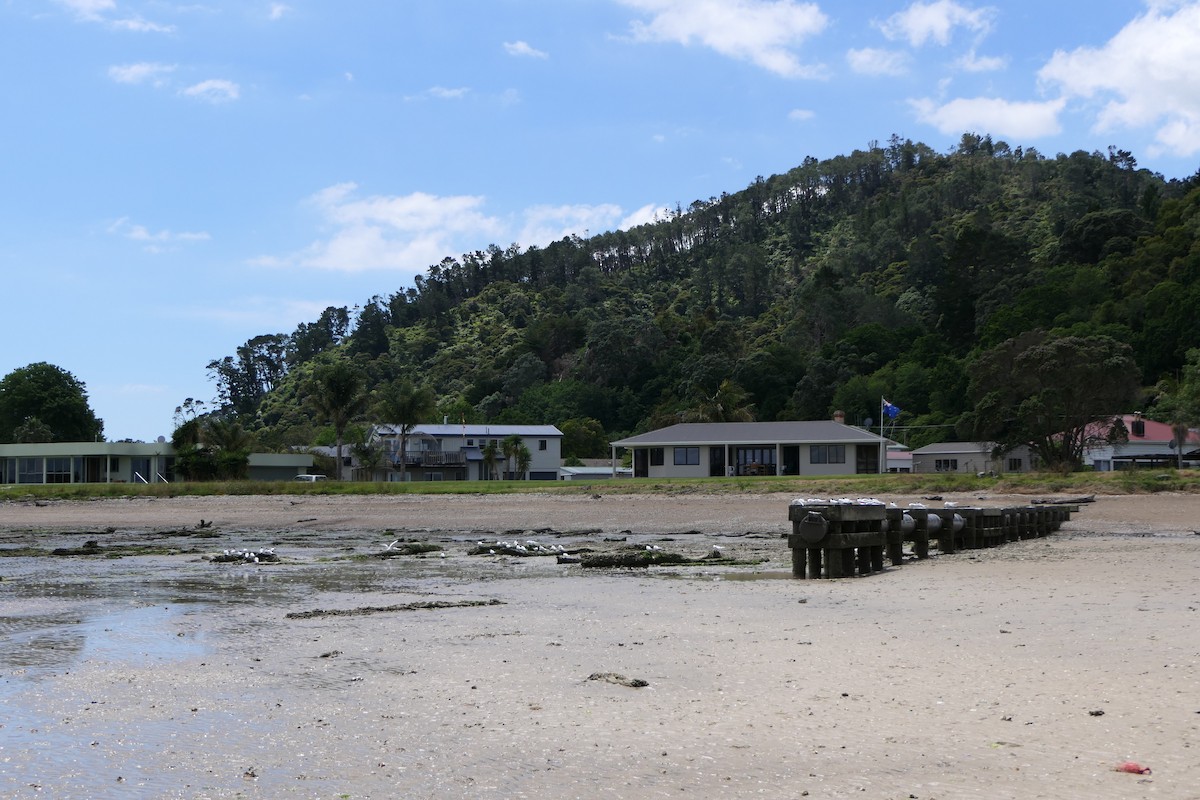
column 1134, row 767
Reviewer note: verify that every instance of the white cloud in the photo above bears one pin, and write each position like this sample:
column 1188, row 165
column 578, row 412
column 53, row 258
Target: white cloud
column 645, row 215
column 163, row 241
column 546, row 224
column 975, row 63
column 139, row 25
column 386, row 232
column 144, row 72
column 89, row 10
column 1145, row 76
column 921, row 22
column 409, row 233
column 213, row 91
column 763, row 32
column 445, row 93
column 801, row 114
column 102, row 11
column 278, row 11
column 874, row 61
column 523, row 49
column 991, row 115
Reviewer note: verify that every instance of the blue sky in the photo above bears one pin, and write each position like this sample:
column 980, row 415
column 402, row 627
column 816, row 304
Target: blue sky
column 178, row 177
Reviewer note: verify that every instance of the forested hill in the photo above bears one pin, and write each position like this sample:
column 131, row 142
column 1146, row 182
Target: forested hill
column 880, row 273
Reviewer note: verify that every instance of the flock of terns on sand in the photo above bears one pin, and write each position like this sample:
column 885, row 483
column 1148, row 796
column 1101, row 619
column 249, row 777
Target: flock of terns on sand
column 862, row 501
column 528, row 547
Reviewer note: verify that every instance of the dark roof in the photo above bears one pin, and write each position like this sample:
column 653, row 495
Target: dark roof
column 742, row 433
column 950, row 448
column 478, row 431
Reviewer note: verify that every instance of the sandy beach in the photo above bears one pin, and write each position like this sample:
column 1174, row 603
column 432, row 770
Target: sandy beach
column 1029, row 670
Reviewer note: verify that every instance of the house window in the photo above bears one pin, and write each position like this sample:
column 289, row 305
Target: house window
column 29, row 470
column 827, row 454
column 1015, row 465
column 755, row 460
column 541, row 444
column 656, row 456
column 687, row 456
column 58, row 470
column 945, row 465
column 470, row 442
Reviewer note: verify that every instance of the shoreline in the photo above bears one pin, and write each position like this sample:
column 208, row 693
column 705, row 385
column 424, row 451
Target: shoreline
column 714, row 513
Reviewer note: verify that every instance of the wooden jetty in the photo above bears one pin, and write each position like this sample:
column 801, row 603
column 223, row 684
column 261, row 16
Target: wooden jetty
column 838, row 539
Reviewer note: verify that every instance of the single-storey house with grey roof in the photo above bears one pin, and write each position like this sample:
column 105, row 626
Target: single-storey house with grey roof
column 971, row 458
column 122, row 462
column 708, row 449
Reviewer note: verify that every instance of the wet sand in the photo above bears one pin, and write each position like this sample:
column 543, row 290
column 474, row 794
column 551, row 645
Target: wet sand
column 980, row 674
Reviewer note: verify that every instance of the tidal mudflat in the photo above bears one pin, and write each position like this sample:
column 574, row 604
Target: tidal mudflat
column 143, row 665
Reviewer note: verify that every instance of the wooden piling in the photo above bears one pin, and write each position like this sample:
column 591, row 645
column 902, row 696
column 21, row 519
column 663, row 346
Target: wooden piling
column 838, row 540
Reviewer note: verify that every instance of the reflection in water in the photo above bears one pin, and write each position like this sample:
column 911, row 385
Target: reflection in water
column 138, row 635
column 770, row 575
column 40, row 648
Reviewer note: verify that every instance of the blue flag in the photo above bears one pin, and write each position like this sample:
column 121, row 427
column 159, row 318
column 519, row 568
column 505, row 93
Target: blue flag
column 890, row 410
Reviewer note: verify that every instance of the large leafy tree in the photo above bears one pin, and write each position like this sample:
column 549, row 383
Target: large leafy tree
column 244, row 381
column 403, row 406
column 338, row 394
column 583, row 437
column 52, row 396
column 1057, row 394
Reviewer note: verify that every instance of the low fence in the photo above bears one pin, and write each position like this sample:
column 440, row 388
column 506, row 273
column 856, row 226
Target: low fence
column 837, row 539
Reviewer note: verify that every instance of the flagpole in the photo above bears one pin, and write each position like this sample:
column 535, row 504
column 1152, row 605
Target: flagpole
column 882, row 453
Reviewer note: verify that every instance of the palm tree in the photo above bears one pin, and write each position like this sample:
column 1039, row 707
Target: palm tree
column 369, row 456
column 222, row 434
column 511, row 446
column 229, row 445
column 489, row 452
column 402, row 405
column 730, row 403
column 338, row 395
column 524, row 457
column 1177, row 405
